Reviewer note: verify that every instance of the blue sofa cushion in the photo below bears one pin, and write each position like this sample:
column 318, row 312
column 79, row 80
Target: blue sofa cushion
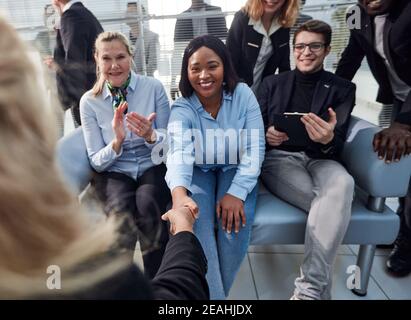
column 73, row 160
column 278, row 222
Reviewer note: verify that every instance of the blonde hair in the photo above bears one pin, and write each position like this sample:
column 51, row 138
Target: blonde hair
column 286, row 18
column 41, row 222
column 107, row 36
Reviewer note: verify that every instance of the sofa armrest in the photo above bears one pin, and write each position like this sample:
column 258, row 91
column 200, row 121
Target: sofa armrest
column 73, row 161
column 372, row 175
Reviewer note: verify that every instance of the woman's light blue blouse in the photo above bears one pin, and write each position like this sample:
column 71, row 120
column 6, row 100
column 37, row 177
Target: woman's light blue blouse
column 234, row 139
column 145, row 95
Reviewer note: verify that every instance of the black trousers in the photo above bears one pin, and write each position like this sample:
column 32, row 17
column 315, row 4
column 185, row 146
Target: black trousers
column 404, row 211
column 143, row 202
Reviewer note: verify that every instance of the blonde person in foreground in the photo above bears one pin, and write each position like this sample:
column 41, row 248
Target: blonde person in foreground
column 43, row 228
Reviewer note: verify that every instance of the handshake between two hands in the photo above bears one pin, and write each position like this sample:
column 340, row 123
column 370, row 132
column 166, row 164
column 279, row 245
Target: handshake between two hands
column 181, row 219
column 229, row 209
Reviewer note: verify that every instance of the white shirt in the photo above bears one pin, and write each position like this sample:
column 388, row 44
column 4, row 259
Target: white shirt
column 400, row 88
column 69, row 4
column 266, row 49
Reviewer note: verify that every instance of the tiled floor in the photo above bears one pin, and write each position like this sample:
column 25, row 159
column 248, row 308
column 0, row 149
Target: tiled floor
column 268, row 273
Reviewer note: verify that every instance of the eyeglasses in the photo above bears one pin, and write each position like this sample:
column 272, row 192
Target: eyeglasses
column 314, row 46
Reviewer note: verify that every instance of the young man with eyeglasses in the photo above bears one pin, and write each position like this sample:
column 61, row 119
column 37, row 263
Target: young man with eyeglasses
column 305, row 172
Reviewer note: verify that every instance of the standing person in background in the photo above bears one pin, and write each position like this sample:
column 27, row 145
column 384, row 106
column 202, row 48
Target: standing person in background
column 73, row 55
column 43, row 228
column 121, row 117
column 384, row 38
column 217, row 172
column 187, row 28
column 302, row 18
column 44, row 39
column 146, row 44
column 45, row 42
column 259, row 39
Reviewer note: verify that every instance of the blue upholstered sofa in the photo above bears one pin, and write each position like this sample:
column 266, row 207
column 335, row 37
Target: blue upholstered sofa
column 277, row 222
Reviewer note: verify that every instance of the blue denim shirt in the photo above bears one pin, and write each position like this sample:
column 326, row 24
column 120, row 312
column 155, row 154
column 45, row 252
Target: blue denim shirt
column 145, row 95
column 235, row 139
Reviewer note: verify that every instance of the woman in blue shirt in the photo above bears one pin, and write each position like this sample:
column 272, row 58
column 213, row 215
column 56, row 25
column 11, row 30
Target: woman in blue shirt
column 216, row 147
column 122, row 117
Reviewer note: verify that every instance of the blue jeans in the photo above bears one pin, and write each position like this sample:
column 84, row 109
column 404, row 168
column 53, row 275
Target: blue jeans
column 224, row 251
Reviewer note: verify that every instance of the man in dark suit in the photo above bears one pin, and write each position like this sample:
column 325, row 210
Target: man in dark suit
column 144, row 41
column 301, row 163
column 302, row 18
column 384, row 38
column 201, row 18
column 76, row 70
column 188, row 28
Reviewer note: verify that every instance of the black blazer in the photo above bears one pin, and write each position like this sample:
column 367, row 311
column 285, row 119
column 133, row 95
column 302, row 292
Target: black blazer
column 244, row 44
column 397, row 47
column 74, row 53
column 181, row 276
column 216, row 26
column 331, row 91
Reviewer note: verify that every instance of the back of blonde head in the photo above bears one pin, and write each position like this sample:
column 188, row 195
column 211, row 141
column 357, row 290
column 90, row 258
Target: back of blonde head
column 41, row 222
column 286, row 17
